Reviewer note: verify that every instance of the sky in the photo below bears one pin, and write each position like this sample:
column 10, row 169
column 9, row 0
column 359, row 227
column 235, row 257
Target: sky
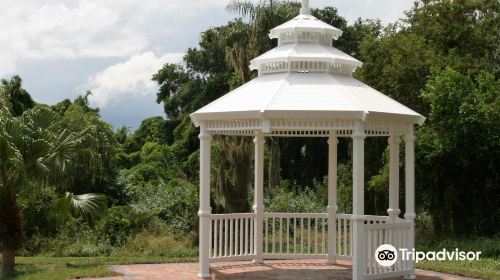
column 113, row 47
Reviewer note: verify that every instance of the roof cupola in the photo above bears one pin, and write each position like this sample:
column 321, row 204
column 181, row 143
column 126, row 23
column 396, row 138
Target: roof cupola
column 305, row 45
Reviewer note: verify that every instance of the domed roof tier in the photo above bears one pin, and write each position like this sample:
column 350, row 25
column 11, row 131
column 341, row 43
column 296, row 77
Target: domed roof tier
column 305, row 95
column 300, row 52
column 305, row 23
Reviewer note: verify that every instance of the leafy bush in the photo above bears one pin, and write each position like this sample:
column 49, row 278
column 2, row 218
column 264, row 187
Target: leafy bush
column 290, row 197
column 76, row 239
column 283, row 200
column 120, row 222
column 151, row 243
column 175, row 202
column 35, row 202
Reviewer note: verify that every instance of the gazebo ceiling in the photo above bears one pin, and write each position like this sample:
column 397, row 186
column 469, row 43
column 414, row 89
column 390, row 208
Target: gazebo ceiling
column 305, row 84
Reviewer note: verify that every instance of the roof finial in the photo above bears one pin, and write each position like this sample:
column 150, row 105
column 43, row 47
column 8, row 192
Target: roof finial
column 305, row 7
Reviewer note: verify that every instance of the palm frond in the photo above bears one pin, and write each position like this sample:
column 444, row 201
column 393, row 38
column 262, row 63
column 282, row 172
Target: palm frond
column 89, row 206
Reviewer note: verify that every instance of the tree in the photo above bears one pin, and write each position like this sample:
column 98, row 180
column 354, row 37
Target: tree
column 19, row 99
column 407, row 61
column 466, row 34
column 34, row 147
column 458, row 151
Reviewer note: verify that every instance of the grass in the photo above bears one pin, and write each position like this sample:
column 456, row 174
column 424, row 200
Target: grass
column 61, row 268
column 55, row 272
column 55, row 268
column 486, row 268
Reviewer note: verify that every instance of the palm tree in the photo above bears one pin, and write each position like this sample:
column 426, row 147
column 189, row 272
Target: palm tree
column 37, row 147
column 262, row 16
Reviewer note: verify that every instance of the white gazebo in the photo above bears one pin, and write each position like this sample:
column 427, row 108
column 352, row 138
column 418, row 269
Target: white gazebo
column 305, row 88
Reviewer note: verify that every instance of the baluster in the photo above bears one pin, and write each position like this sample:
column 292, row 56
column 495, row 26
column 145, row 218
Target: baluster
column 236, row 236
column 350, row 237
column 390, row 241
column 267, row 236
column 345, row 237
column 400, row 262
column 273, row 235
column 241, row 235
column 225, row 237
column 294, row 235
column 375, row 245
column 210, row 248
column 246, row 235
column 231, row 239
column 220, row 237
column 252, row 229
column 380, row 242
column 302, row 236
column 309, row 236
column 215, row 237
column 323, row 241
column 281, row 235
column 403, row 237
column 369, row 250
column 287, row 235
column 339, row 237
column 315, row 236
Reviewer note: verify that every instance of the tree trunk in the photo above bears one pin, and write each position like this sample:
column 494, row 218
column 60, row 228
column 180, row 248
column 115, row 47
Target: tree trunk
column 8, row 262
column 11, row 229
column 274, row 164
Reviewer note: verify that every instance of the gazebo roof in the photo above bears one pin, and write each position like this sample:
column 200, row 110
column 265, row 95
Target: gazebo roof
column 305, row 95
column 305, row 79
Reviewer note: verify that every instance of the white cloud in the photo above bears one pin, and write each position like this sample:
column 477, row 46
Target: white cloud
column 34, row 30
column 56, row 45
column 132, row 77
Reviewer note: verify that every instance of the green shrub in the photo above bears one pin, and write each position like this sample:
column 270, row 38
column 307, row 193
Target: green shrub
column 283, row 200
column 76, row 239
column 35, row 202
column 152, row 243
column 121, row 221
column 175, row 202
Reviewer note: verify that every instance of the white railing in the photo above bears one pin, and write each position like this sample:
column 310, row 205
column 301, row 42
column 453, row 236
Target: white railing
column 295, row 235
column 396, row 234
column 231, row 236
column 344, row 236
column 305, row 236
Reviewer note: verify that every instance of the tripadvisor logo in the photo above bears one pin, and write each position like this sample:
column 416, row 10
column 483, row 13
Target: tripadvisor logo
column 387, row 255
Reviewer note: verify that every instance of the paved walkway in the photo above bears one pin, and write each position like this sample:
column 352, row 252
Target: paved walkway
column 276, row 270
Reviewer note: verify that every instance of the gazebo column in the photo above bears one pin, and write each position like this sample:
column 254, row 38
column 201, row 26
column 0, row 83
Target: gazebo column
column 393, row 210
column 205, row 210
column 258, row 206
column 358, row 200
column 332, row 197
column 410, row 191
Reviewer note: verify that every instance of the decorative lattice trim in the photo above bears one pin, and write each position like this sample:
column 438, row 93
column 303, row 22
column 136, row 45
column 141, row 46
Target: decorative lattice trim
column 306, row 66
column 305, row 36
column 311, row 124
column 387, row 126
column 233, row 125
column 303, row 127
